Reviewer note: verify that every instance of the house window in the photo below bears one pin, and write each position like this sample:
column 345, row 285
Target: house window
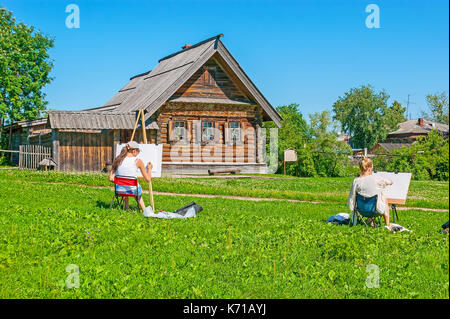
column 235, row 132
column 179, row 131
column 207, row 131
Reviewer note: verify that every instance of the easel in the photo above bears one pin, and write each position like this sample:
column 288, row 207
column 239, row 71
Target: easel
column 144, row 135
column 397, row 198
column 394, row 203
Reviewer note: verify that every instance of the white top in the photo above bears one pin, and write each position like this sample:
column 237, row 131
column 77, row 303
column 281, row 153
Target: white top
column 128, row 167
column 369, row 186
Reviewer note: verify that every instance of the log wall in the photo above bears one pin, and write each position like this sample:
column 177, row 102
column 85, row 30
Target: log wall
column 82, row 151
column 211, row 81
column 221, row 150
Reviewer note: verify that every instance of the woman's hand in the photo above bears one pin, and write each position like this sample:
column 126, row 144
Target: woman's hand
column 111, row 176
column 146, row 173
column 149, row 166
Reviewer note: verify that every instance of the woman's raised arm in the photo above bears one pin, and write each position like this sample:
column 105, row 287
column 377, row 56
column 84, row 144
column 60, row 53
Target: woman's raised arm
column 146, row 174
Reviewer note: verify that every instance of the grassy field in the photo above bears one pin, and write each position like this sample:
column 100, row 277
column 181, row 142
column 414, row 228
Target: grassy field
column 427, row 194
column 233, row 249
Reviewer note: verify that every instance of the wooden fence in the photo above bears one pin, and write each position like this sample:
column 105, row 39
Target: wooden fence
column 31, row 155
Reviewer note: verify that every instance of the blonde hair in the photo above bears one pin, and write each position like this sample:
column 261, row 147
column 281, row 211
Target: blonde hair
column 365, row 164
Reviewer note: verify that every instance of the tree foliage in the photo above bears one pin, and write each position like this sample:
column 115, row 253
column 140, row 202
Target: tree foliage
column 438, row 106
column 427, row 158
column 25, row 66
column 395, row 114
column 319, row 152
column 364, row 114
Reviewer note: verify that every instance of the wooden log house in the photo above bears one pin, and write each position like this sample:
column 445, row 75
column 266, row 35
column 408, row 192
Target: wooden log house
column 198, row 102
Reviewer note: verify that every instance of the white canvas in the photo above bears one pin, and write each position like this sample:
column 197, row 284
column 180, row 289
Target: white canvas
column 149, row 153
column 398, row 190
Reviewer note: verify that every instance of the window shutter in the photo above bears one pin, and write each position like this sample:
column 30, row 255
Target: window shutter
column 226, row 133
column 216, row 132
column 169, row 131
column 243, row 131
column 198, row 131
column 189, row 131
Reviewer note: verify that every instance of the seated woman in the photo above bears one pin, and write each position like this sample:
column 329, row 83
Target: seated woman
column 369, row 185
column 127, row 164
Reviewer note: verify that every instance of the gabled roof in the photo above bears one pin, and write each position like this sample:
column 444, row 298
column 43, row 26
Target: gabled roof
column 413, row 127
column 150, row 90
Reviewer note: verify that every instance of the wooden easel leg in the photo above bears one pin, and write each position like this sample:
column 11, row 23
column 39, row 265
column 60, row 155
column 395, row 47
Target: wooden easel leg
column 144, row 133
column 135, row 126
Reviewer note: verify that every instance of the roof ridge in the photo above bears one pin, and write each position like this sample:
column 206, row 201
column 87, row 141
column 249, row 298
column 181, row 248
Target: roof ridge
column 140, row 74
column 191, row 47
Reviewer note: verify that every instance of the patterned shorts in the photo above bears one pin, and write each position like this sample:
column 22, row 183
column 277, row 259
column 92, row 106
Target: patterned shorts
column 130, row 190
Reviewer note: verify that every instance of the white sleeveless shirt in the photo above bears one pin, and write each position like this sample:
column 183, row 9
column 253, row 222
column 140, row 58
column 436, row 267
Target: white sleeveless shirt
column 128, row 167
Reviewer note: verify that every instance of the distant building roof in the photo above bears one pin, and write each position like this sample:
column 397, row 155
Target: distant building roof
column 343, row 138
column 388, row 147
column 419, row 126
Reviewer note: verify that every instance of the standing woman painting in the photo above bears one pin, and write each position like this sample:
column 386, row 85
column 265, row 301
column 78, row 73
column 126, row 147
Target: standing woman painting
column 127, row 164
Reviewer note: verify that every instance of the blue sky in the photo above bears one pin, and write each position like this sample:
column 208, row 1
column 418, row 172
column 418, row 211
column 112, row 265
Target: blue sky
column 305, row 52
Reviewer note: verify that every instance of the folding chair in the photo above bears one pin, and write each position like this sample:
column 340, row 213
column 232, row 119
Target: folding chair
column 119, row 195
column 366, row 207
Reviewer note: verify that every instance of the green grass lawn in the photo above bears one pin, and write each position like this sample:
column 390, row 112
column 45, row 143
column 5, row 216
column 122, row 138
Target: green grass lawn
column 427, row 194
column 233, row 249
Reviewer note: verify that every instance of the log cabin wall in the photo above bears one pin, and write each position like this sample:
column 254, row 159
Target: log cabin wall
column 211, row 81
column 125, row 136
column 85, row 151
column 194, row 148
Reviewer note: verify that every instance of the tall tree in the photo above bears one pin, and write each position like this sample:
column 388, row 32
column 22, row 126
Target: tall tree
column 329, row 154
column 438, row 105
column 394, row 115
column 24, row 70
column 294, row 133
column 320, row 123
column 361, row 114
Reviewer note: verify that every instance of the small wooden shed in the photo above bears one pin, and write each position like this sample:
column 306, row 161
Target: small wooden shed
column 198, row 102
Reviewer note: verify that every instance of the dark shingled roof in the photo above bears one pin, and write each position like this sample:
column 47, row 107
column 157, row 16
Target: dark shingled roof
column 393, row 146
column 89, row 120
column 413, row 127
column 152, row 89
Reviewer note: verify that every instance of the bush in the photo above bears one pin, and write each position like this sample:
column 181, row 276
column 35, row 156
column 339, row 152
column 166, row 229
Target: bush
column 4, row 161
column 426, row 159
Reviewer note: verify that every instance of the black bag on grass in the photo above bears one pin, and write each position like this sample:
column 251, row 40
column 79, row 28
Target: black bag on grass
column 182, row 211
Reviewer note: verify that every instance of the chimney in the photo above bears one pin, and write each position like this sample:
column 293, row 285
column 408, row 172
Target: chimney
column 420, row 121
column 186, row 46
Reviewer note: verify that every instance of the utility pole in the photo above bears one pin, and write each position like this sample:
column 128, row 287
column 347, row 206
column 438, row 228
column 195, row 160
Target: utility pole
column 408, row 102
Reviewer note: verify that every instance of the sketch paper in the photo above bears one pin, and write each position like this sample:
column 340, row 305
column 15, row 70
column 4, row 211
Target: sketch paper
column 398, row 190
column 149, row 153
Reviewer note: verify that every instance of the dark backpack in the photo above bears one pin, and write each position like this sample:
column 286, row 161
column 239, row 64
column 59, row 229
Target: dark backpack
column 182, row 211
